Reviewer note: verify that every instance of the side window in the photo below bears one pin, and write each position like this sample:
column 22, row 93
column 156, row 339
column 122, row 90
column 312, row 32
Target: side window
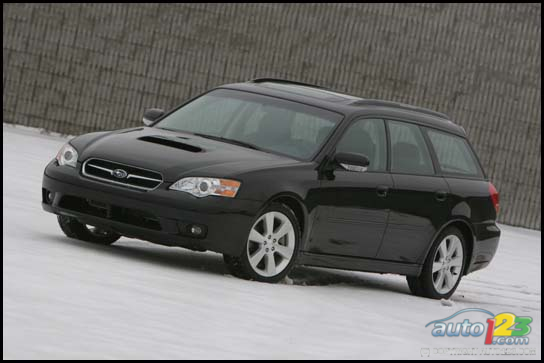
column 409, row 153
column 454, row 154
column 367, row 137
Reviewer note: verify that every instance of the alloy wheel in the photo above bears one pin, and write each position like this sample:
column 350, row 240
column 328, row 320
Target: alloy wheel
column 447, row 264
column 271, row 244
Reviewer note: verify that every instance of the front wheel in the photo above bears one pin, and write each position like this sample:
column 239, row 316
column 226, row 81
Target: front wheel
column 271, row 247
column 75, row 229
column 443, row 268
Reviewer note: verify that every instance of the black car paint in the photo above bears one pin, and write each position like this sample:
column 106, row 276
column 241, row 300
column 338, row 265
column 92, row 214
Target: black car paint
column 381, row 222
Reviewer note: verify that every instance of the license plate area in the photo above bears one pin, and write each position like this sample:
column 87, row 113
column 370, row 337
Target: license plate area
column 104, row 208
column 135, row 217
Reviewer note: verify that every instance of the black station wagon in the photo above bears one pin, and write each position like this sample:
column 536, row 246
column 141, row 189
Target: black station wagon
column 274, row 173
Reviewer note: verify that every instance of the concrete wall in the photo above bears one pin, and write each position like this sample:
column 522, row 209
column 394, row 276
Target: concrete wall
column 79, row 68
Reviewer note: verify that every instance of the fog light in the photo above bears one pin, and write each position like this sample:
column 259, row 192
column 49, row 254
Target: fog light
column 193, row 230
column 48, row 196
column 196, row 230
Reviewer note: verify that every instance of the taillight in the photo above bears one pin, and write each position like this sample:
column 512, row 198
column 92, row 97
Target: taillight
column 494, row 194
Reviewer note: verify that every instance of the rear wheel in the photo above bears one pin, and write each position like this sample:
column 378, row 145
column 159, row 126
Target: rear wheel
column 271, row 246
column 75, row 229
column 443, row 268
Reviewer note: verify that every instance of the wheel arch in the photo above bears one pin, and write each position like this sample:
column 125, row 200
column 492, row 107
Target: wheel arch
column 295, row 203
column 468, row 233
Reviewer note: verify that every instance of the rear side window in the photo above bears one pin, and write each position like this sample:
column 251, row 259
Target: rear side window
column 454, row 154
column 409, row 153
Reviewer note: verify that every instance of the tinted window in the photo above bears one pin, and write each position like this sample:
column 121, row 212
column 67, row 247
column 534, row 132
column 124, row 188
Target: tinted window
column 454, row 154
column 366, row 137
column 269, row 123
column 409, row 153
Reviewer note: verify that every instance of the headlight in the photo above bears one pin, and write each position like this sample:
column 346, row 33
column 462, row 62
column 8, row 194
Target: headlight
column 67, row 156
column 202, row 187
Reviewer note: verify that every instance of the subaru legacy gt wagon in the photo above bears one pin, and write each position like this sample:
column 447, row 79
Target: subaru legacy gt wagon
column 273, row 173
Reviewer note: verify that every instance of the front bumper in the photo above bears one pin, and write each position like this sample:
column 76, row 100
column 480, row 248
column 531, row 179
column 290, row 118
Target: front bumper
column 159, row 216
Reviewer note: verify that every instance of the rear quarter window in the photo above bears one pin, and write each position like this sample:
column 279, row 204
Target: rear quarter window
column 455, row 157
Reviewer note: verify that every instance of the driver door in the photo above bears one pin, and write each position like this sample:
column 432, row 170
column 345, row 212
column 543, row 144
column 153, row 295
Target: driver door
column 353, row 206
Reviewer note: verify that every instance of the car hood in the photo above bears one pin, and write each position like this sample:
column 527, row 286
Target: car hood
column 175, row 154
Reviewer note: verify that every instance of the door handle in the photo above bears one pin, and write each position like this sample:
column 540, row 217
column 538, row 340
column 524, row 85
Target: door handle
column 382, row 190
column 441, row 195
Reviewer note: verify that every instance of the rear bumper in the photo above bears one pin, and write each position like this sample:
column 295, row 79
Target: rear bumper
column 485, row 246
column 160, row 216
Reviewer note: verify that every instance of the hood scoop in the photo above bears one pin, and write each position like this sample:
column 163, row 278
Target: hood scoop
column 129, row 130
column 171, row 142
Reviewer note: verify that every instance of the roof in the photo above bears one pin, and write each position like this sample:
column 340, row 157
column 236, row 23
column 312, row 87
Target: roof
column 343, row 103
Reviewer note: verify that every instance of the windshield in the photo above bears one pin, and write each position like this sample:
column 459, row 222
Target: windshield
column 258, row 121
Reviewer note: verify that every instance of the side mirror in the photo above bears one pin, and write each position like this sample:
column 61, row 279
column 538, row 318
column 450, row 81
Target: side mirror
column 352, row 161
column 151, row 115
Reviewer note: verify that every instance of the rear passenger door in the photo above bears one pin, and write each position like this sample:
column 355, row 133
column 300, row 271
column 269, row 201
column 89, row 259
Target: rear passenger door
column 418, row 199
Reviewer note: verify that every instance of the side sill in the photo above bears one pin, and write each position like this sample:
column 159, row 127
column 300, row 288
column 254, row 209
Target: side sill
column 358, row 264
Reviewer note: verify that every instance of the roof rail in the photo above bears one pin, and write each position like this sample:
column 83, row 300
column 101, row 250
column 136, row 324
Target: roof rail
column 286, row 81
column 371, row 102
column 362, row 101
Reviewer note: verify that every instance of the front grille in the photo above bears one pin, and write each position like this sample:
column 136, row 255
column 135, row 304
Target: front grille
column 121, row 174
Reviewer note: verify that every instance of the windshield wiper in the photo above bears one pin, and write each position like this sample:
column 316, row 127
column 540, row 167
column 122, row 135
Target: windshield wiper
column 230, row 141
column 218, row 138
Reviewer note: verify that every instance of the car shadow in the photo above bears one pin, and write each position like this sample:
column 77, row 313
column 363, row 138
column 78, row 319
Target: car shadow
column 314, row 276
column 169, row 257
column 212, row 263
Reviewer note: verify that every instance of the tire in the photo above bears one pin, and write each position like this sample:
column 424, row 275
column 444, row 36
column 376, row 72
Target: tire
column 74, row 229
column 233, row 266
column 265, row 250
column 427, row 284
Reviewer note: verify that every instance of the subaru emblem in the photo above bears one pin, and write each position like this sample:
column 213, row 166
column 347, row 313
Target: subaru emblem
column 119, row 173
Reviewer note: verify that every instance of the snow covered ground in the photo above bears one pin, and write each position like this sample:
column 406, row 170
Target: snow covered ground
column 67, row 299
